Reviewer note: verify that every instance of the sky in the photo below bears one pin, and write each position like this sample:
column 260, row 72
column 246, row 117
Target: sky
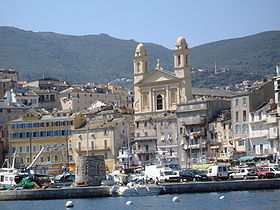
column 156, row 21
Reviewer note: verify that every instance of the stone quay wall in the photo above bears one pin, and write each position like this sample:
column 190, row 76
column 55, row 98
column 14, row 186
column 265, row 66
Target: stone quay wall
column 62, row 193
column 104, row 191
column 219, row 186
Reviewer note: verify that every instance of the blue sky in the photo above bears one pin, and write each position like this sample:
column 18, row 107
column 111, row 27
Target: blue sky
column 160, row 22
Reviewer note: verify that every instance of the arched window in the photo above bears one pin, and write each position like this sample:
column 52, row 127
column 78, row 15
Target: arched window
column 159, row 102
column 179, row 60
column 186, row 59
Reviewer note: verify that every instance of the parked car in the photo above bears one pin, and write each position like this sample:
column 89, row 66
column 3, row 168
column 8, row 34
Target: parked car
column 274, row 170
column 186, row 175
column 264, row 173
column 199, row 175
column 192, row 175
column 244, row 173
column 217, row 172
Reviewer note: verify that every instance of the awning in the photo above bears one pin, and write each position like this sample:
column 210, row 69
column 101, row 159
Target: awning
column 264, row 156
column 214, row 147
column 245, row 158
column 122, row 156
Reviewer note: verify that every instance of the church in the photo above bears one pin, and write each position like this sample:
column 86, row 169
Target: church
column 157, row 94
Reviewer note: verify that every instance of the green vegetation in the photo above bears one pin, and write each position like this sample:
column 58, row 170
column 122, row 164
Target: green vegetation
column 101, row 58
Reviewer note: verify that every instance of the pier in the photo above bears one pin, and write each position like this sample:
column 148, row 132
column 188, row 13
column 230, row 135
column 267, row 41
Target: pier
column 172, row 188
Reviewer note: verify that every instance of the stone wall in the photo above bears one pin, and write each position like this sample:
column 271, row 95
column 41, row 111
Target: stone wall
column 90, row 170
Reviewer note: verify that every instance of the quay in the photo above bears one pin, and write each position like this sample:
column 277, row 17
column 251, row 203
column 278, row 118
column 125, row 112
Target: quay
column 172, row 188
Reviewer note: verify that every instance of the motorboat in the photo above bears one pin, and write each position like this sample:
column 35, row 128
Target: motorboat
column 136, row 190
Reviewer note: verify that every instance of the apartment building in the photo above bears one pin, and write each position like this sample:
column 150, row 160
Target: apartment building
column 33, row 131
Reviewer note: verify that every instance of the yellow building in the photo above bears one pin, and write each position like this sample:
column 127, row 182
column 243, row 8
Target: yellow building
column 101, row 137
column 27, row 135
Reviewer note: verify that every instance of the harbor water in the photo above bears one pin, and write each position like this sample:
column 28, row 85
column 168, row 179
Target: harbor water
column 245, row 200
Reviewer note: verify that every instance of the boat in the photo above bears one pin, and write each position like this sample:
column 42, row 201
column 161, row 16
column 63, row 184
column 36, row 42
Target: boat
column 137, row 190
column 9, row 175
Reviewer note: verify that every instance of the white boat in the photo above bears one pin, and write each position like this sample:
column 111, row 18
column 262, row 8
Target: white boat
column 8, row 174
column 138, row 190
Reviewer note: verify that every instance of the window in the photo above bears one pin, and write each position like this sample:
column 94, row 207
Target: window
column 138, row 66
column 92, row 145
column 137, row 124
column 34, row 148
column 20, row 149
column 42, row 159
column 106, row 132
column 27, row 159
column 52, row 98
column 179, row 60
column 146, row 66
column 253, row 116
column 236, row 102
column 145, row 100
column 244, row 101
column 27, row 149
column 79, row 146
column 49, row 158
column 105, row 144
column 145, row 124
column 260, row 116
column 14, row 149
column 173, row 97
column 106, row 155
column 159, row 102
column 244, row 116
column 55, row 158
column 261, row 148
column 236, row 116
column 241, row 143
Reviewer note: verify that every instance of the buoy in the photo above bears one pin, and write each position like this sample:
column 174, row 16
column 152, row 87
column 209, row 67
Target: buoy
column 176, row 199
column 222, row 197
column 69, row 204
column 129, row 203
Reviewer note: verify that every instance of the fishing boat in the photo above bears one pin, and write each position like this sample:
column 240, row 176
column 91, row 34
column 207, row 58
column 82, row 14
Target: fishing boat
column 9, row 175
column 137, row 190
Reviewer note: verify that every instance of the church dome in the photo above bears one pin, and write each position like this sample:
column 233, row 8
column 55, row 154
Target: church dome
column 140, row 50
column 181, row 43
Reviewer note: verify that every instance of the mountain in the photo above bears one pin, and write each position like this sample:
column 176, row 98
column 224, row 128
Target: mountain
column 101, row 58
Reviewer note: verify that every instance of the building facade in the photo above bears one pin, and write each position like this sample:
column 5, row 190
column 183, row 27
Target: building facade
column 33, row 131
column 157, row 94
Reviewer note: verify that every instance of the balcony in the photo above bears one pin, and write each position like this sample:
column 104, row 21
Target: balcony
column 144, row 151
column 271, row 119
column 145, row 138
column 272, row 136
column 195, row 120
column 192, row 146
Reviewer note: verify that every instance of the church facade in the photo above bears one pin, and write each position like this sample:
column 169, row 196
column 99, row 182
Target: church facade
column 157, row 94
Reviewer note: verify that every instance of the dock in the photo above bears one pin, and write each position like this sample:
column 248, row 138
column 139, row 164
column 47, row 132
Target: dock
column 170, row 188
